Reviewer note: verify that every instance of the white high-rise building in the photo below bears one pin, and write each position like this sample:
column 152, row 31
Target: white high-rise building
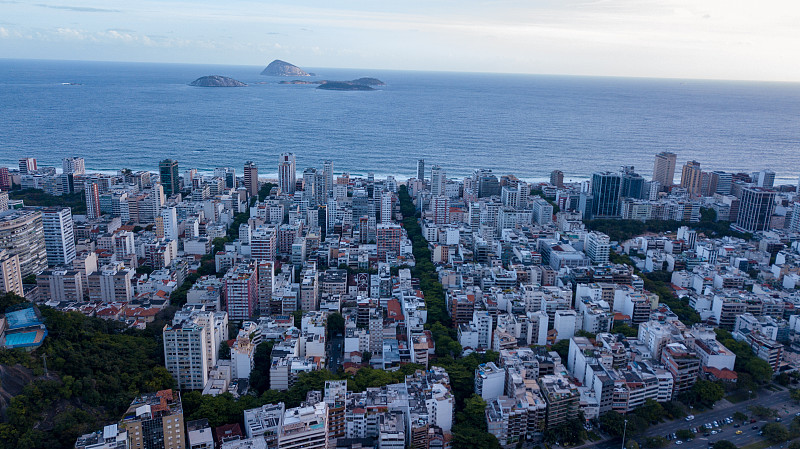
column 327, row 171
column 191, row 345
column 438, row 180
column 74, row 166
column 598, row 247
column 386, row 207
column 766, row 179
column 664, row 168
column 59, row 238
column 169, row 219
column 287, row 173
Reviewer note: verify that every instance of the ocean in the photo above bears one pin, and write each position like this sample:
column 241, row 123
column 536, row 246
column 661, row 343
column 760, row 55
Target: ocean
column 134, row 114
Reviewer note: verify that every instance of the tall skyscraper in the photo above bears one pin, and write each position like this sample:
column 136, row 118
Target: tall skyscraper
column 386, row 207
column 287, row 174
column 73, row 166
column 438, row 180
column 22, row 234
column 421, row 169
column 59, row 238
column 692, row 178
column 27, row 165
column 440, row 206
column 251, row 178
column 755, row 209
column 632, row 183
column 92, row 192
column 720, row 182
column 327, row 170
column 168, row 171
column 766, row 179
column 557, row 178
column 5, row 179
column 388, row 239
column 664, row 168
column 606, row 190
column 10, row 274
column 310, row 185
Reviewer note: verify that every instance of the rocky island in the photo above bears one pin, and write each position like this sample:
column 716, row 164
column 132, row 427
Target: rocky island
column 216, row 81
column 283, row 68
column 343, row 85
column 359, row 84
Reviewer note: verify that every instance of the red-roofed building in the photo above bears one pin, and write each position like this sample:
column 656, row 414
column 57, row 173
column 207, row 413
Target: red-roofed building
column 394, row 311
column 723, row 374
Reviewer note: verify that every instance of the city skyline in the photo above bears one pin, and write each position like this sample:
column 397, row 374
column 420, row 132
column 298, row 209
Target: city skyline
column 669, row 39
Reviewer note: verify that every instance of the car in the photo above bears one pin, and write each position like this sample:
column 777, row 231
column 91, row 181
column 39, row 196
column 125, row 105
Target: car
column 714, row 432
column 674, row 435
column 679, row 442
column 797, row 414
column 778, row 419
column 738, row 432
column 706, row 434
column 707, row 425
column 694, row 430
column 716, row 424
column 752, row 420
column 736, row 426
column 689, row 418
column 754, row 427
column 761, row 433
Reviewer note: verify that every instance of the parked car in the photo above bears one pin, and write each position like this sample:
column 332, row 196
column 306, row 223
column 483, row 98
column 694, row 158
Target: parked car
column 738, row 432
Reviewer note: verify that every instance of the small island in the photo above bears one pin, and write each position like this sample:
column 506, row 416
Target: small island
column 216, row 81
column 369, row 82
column 363, row 84
column 283, row 68
column 343, row 85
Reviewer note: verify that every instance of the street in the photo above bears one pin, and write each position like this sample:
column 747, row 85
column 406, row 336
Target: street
column 335, row 354
column 779, row 401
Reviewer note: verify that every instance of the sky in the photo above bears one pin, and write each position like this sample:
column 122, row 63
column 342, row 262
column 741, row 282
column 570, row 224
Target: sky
column 714, row 39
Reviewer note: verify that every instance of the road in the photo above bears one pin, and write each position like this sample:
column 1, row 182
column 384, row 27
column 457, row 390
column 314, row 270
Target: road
column 779, row 401
column 335, row 353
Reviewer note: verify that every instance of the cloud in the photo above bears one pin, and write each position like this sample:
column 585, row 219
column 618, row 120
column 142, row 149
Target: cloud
column 76, row 8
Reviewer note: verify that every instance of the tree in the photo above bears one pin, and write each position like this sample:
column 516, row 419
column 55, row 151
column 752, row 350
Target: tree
column 562, row 348
column 759, row 369
column 474, row 412
column 794, row 445
column 612, row 423
column 724, row 444
column 466, row 437
column 795, row 394
column 684, row 434
column 775, row 432
column 762, row 412
column 655, row 442
column 707, row 392
column 739, row 416
column 651, row 411
column 335, row 325
column 224, row 350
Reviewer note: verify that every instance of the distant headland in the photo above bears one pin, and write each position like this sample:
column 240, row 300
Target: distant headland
column 283, row 68
column 216, row 81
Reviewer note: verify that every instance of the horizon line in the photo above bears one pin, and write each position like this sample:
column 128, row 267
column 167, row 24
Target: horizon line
column 742, row 80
